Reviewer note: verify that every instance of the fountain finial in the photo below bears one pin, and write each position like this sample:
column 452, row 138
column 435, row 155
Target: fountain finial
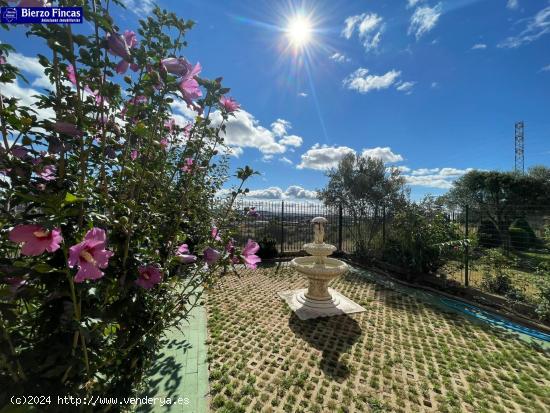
column 319, row 229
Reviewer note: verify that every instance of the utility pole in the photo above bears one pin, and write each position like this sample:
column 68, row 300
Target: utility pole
column 520, row 148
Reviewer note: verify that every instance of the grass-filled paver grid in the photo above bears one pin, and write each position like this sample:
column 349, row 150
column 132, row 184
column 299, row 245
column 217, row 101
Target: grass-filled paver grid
column 401, row 355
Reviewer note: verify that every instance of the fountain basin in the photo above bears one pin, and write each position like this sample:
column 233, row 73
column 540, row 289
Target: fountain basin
column 329, row 268
column 319, row 250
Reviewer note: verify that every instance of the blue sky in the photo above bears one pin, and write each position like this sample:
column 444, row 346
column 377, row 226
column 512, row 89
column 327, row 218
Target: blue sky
column 432, row 87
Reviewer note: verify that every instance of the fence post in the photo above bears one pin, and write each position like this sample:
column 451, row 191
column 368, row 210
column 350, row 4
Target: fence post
column 466, row 248
column 340, row 228
column 282, row 228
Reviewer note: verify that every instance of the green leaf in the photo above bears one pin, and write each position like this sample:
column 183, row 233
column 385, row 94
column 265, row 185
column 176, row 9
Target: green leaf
column 42, row 268
column 70, row 199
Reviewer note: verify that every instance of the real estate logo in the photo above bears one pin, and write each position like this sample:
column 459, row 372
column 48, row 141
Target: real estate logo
column 41, row 15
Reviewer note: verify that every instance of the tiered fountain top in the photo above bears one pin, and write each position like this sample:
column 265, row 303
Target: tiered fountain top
column 318, row 248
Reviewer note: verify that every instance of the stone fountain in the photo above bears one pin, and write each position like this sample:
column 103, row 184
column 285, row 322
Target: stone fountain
column 318, row 300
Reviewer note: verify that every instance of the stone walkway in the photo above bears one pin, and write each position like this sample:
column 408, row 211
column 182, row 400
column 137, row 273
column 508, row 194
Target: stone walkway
column 181, row 369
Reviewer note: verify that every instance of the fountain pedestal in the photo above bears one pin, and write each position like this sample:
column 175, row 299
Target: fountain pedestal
column 318, row 300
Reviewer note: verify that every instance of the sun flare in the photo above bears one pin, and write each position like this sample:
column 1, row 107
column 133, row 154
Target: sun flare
column 299, row 31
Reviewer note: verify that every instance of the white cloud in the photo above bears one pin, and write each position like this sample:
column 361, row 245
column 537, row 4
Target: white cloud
column 512, row 4
column 406, row 87
column 26, row 97
column 384, row 154
column 275, row 192
column 479, row 46
column 340, row 58
column 139, row 7
column 284, row 159
column 280, row 126
column 363, row 82
column 434, row 85
column 536, row 27
column 295, row 191
column 30, row 66
column 244, row 131
column 441, row 178
column 546, row 68
column 424, row 19
column 291, row 140
column 302, row 94
column 323, row 157
column 369, row 27
column 412, row 3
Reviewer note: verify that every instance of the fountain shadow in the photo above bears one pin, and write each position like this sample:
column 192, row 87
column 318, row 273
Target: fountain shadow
column 333, row 336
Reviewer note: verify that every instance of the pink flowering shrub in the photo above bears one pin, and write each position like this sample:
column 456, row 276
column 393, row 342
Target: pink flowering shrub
column 108, row 230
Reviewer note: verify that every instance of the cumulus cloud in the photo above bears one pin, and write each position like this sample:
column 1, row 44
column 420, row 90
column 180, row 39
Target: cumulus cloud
column 512, row 4
column 536, row 27
column 245, row 131
column 363, row 82
column 424, row 19
column 369, row 28
column 385, row 154
column 441, row 178
column 323, row 157
column 479, row 46
column 284, row 159
column 280, row 126
column 26, row 97
column 340, row 57
column 302, row 94
column 275, row 192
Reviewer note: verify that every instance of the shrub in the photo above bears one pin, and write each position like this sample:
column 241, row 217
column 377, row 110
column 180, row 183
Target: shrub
column 488, row 235
column 522, row 236
column 268, row 248
column 543, row 303
column 416, row 238
column 496, row 273
column 106, row 215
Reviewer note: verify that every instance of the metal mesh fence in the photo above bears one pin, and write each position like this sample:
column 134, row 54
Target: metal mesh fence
column 508, row 253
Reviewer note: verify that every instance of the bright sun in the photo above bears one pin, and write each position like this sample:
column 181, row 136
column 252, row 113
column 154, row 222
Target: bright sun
column 299, row 31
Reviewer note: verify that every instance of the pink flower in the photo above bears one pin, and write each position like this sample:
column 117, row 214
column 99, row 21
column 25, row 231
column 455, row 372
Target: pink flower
column 34, row 3
column 15, row 283
column 188, row 85
column 71, row 74
column 176, row 66
column 117, row 45
column 230, row 249
column 90, row 255
column 36, row 239
column 130, row 38
column 229, row 104
column 66, row 129
column 164, row 143
column 120, row 46
column 249, row 254
column 253, row 213
column 184, row 256
column 138, row 100
column 211, row 255
column 187, row 130
column 2, row 60
column 134, row 154
column 188, row 165
column 190, row 90
column 169, row 124
column 19, row 151
column 215, row 233
column 48, row 173
column 149, row 276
